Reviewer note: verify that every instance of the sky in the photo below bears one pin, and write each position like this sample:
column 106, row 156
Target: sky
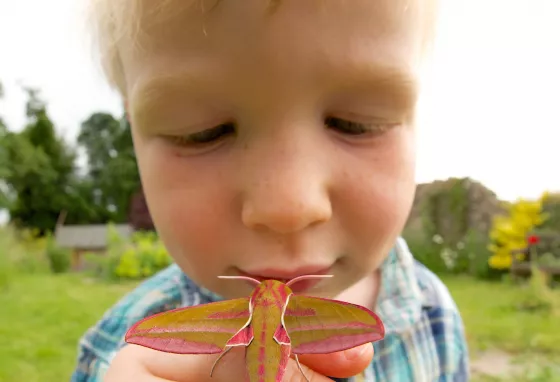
column 490, row 109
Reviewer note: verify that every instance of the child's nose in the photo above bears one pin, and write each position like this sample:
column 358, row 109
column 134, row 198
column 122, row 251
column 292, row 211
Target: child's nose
column 286, row 207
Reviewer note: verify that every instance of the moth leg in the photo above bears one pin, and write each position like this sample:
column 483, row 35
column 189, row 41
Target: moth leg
column 219, row 358
column 299, row 367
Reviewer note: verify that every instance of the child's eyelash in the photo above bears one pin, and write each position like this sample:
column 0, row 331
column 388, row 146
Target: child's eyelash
column 356, row 128
column 214, row 134
column 204, row 136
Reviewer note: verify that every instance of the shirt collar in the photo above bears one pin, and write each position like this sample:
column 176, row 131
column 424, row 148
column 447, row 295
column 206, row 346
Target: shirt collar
column 399, row 303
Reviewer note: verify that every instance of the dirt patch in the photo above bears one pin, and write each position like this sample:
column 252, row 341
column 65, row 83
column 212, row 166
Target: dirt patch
column 495, row 363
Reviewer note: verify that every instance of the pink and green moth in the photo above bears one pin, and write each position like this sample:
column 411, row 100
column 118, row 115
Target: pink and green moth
column 272, row 323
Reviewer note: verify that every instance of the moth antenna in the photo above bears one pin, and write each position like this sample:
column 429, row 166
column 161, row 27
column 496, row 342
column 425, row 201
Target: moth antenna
column 307, row 277
column 217, row 359
column 256, row 282
column 300, row 369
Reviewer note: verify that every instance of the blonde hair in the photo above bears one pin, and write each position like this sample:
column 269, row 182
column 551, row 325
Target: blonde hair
column 111, row 21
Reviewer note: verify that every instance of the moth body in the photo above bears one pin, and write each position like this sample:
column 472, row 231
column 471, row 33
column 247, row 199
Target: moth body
column 266, row 358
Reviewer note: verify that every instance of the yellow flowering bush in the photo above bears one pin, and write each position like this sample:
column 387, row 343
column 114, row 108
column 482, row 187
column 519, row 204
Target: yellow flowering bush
column 143, row 257
column 509, row 233
column 140, row 256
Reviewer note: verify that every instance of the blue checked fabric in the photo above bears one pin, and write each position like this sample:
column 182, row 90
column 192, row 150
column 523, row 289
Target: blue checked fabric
column 424, row 341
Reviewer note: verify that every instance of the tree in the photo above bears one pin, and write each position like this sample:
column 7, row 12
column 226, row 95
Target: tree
column 41, row 134
column 112, row 170
column 39, row 170
column 4, row 170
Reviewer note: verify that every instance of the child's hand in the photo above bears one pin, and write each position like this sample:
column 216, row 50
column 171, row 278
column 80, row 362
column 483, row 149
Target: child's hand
column 140, row 364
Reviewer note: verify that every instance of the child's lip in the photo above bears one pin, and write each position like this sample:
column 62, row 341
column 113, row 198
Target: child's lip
column 285, row 275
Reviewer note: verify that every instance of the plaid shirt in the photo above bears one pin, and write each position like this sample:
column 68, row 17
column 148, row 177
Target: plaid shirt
column 424, row 341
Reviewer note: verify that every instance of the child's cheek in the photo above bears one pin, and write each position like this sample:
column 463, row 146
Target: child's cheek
column 378, row 196
column 189, row 206
column 194, row 219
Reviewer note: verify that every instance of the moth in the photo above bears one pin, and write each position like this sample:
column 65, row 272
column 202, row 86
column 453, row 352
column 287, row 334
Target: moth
column 272, row 324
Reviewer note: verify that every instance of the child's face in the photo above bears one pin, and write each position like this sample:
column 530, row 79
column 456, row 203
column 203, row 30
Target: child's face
column 278, row 144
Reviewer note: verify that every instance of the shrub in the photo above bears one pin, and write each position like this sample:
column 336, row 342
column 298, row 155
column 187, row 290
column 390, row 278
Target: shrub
column 59, row 258
column 7, row 266
column 509, row 233
column 537, row 295
column 476, row 250
column 551, row 207
column 144, row 257
column 427, row 250
column 141, row 256
column 21, row 251
column 470, row 255
column 102, row 266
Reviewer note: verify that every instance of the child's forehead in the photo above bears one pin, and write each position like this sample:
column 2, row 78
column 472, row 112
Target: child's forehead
column 138, row 27
column 149, row 15
column 297, row 46
column 250, row 28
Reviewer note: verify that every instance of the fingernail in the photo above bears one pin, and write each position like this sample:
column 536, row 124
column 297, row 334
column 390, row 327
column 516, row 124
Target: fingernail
column 356, row 352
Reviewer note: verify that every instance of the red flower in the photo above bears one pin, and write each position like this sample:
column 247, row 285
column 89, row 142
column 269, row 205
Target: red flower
column 533, row 239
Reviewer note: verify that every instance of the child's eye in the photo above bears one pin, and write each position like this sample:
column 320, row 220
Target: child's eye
column 355, row 128
column 205, row 136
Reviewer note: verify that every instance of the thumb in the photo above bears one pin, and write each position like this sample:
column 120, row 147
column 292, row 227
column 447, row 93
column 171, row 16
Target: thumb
column 344, row 364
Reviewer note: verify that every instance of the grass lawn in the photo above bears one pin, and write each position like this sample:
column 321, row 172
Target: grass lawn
column 497, row 329
column 43, row 317
column 493, row 321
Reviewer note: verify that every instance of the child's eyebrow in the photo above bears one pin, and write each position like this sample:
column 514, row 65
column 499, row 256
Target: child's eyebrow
column 148, row 93
column 383, row 77
column 395, row 83
column 389, row 83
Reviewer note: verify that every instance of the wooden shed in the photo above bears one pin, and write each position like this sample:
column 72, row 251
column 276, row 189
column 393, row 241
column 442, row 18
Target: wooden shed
column 82, row 239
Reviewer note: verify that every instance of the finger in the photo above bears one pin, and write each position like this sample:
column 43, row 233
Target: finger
column 192, row 367
column 166, row 367
column 303, row 373
column 342, row 364
column 127, row 366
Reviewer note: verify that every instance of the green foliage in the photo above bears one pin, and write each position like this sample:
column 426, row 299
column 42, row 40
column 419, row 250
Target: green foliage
column 31, row 252
column 20, row 253
column 4, row 169
column 468, row 256
column 140, row 257
column 39, row 170
column 537, row 295
column 427, row 250
column 7, row 266
column 104, row 265
column 39, row 178
column 476, row 250
column 549, row 240
column 110, row 152
column 548, row 260
column 551, row 207
column 59, row 258
column 450, row 199
column 447, row 243
column 143, row 258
